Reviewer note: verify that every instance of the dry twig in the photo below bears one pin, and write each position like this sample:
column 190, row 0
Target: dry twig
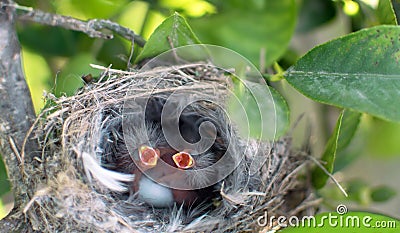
column 93, row 27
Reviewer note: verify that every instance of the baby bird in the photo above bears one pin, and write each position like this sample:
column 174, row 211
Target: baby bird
column 157, row 163
column 165, row 175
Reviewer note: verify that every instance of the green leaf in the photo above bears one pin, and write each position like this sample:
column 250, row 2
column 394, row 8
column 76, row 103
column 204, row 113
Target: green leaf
column 345, row 129
column 396, row 8
column 382, row 194
column 345, row 154
column 249, row 26
column 174, row 31
column 348, row 128
column 360, row 71
column 319, row 177
column 385, row 13
column 351, row 222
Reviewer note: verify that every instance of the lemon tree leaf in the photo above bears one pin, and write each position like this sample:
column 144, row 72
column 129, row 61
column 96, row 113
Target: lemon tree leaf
column 360, row 71
column 385, row 12
column 382, row 193
column 319, row 177
column 350, row 122
column 173, row 32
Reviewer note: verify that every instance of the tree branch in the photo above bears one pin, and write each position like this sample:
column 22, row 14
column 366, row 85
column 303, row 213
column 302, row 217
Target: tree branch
column 93, row 28
column 16, row 108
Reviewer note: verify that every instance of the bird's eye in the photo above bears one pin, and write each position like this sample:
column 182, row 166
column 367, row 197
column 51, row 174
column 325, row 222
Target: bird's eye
column 148, row 156
column 183, row 160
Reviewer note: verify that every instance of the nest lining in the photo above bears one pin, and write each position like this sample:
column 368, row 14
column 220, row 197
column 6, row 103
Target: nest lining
column 68, row 196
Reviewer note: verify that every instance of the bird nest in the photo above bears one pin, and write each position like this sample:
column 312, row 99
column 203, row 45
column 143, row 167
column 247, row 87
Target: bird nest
column 77, row 185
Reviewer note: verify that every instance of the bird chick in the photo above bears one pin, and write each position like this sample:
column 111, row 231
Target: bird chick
column 161, row 170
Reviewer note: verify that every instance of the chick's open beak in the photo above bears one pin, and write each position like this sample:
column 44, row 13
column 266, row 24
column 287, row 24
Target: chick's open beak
column 183, row 160
column 148, row 156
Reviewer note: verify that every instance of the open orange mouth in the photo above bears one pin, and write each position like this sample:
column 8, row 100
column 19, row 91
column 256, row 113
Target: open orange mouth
column 148, row 156
column 183, row 160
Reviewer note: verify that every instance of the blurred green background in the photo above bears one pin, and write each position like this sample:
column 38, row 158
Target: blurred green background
column 264, row 31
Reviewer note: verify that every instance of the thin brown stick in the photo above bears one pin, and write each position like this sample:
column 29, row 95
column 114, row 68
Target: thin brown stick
column 93, row 28
column 15, row 149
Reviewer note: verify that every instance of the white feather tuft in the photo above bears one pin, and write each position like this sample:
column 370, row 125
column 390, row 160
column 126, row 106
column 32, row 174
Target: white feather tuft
column 155, row 194
column 111, row 179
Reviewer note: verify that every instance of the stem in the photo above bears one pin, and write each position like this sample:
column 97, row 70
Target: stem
column 93, row 28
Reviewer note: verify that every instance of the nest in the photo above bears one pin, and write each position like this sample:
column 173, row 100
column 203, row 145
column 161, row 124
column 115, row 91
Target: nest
column 72, row 189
